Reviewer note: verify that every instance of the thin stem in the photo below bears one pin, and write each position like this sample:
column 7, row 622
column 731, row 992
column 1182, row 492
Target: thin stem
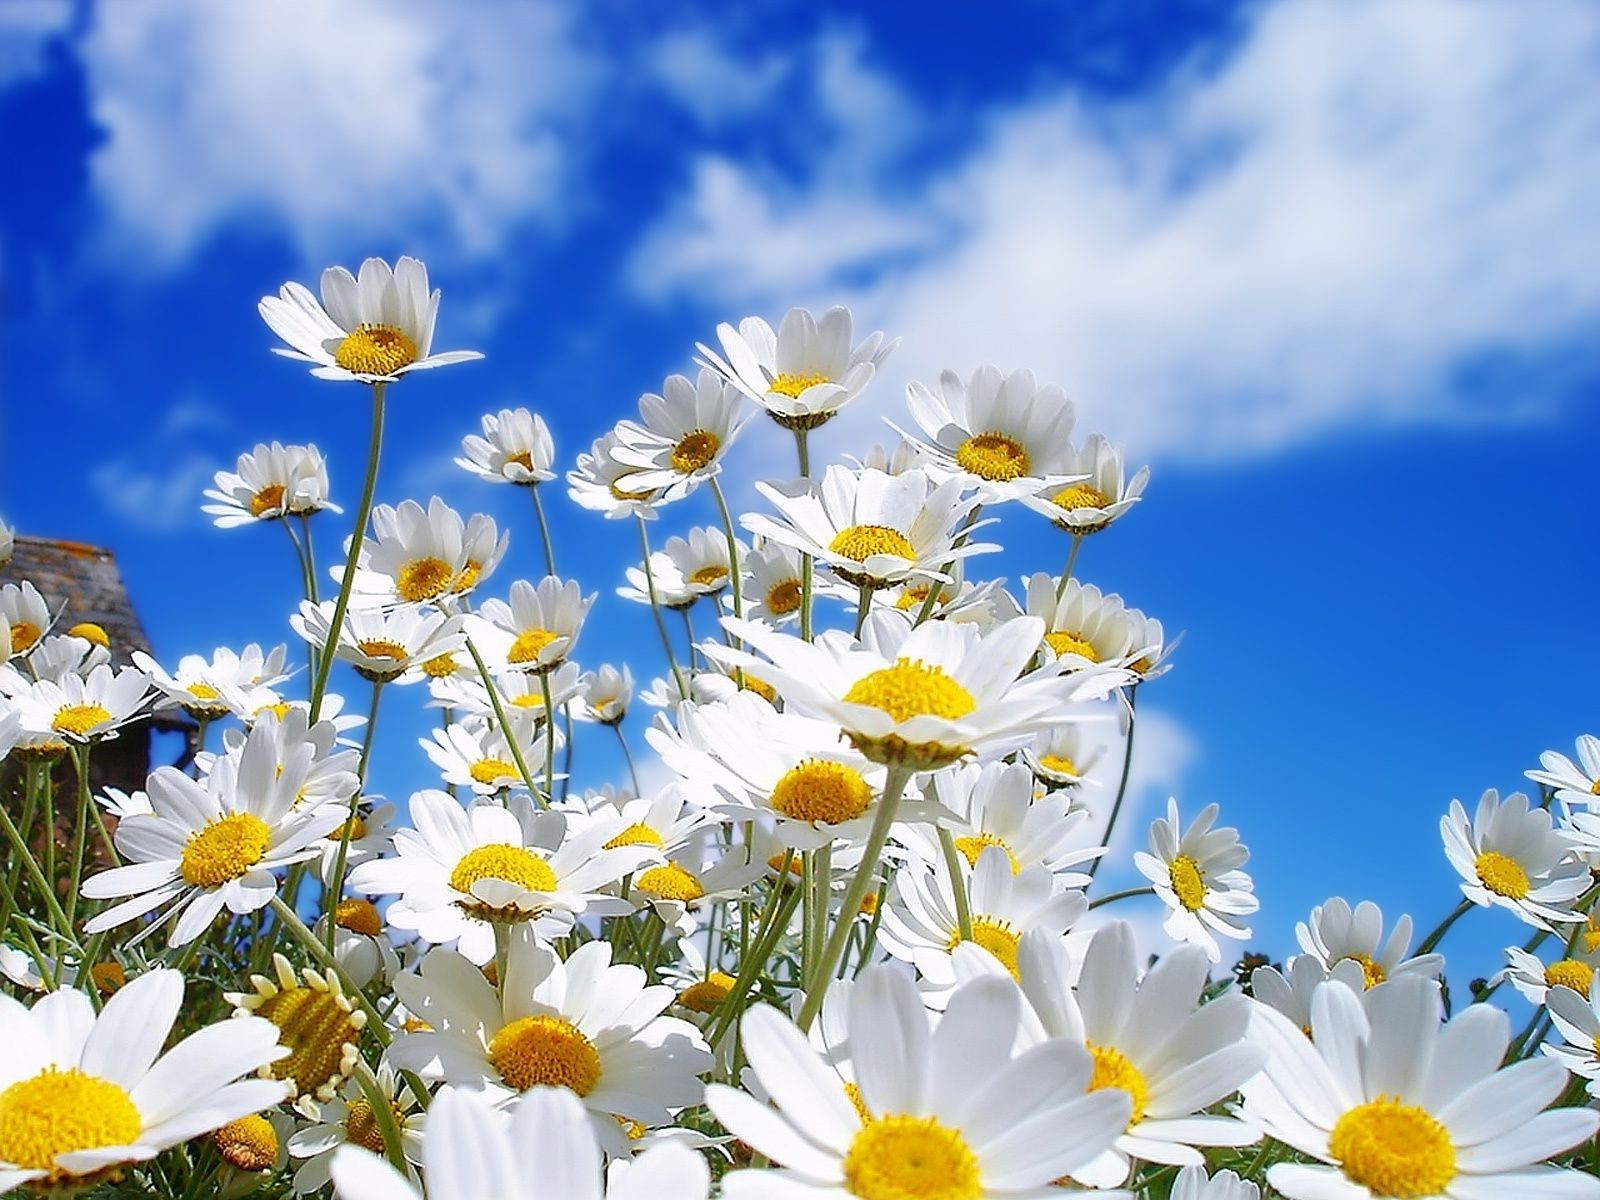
column 1437, row 936
column 780, row 906
column 1066, row 572
column 80, row 761
column 958, row 883
column 335, row 883
column 549, row 736
column 383, row 1114
column 291, row 921
column 1126, row 894
column 544, row 531
column 505, row 722
column 1122, row 785
column 627, row 755
column 311, row 559
column 41, row 881
column 863, row 606
column 655, row 607
column 372, row 724
column 733, row 549
column 807, row 565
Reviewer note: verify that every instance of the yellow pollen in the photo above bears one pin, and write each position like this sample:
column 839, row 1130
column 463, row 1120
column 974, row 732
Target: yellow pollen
column 59, row 1112
column 23, row 636
column 528, row 700
column 415, row 1025
column 637, row 834
column 1113, row 1070
column 784, row 598
column 545, row 1052
column 92, row 633
column 1502, row 875
column 1188, row 882
column 79, row 718
column 792, row 385
column 1078, row 496
column 1569, row 972
column 858, row 542
column 510, row 864
column 620, row 493
column 528, row 645
column 108, row 977
column 869, row 904
column 355, row 828
column 423, row 579
column 1372, row 972
column 522, row 458
column 856, row 1102
column 912, row 688
column 267, row 500
column 912, row 597
column 821, row 791
column 1059, row 763
column 1594, row 788
column 694, row 451
column 358, row 916
column 467, row 578
column 999, row 938
column 375, row 349
column 795, row 866
column 634, row 1129
column 974, row 845
column 671, row 882
column 1394, row 1150
column 492, row 770
column 379, row 648
column 224, row 850
column 279, row 710
column 760, row 687
column 250, row 1143
column 1069, row 641
column 321, row 1034
column 703, row 997
column 361, row 1126
column 204, row 691
column 992, row 456
column 708, row 576
column 911, row 1158
column 440, row 666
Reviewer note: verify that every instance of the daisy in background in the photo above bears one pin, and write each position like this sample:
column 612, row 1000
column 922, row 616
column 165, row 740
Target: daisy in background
column 700, row 874
column 269, row 483
column 1574, row 782
column 412, row 554
column 475, row 753
column 1397, row 1105
column 360, row 945
column 318, row 1024
column 1061, row 758
column 83, row 1094
column 607, row 691
column 382, row 645
column 1534, row 978
column 25, row 614
column 1102, row 497
column 874, row 530
column 1196, row 874
column 370, row 833
column 1337, row 933
column 521, row 691
column 84, row 708
column 604, row 484
column 200, row 686
column 772, row 583
column 673, row 588
column 904, row 456
column 665, row 822
column 328, row 773
column 1084, row 626
column 1573, row 1013
column 1003, row 435
column 805, row 372
column 983, row 604
column 536, row 629
column 374, row 327
column 53, row 657
column 951, row 1111
column 701, row 559
column 1291, row 990
column 1193, row 1183
column 348, row 1120
column 516, row 447
column 8, row 543
column 1511, row 855
column 684, row 434
column 544, row 1147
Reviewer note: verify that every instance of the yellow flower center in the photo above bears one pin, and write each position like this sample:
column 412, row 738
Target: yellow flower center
column 92, row 633
column 856, row 1102
column 358, row 916
column 58, row 1112
column 1594, row 788
column 912, row 688
column 467, row 578
column 637, row 834
column 974, row 845
column 1502, row 875
column 108, row 977
column 911, row 1158
column 619, row 493
column 423, row 579
column 522, row 458
column 250, row 1143
column 528, row 645
column 374, row 349
column 355, row 829
column 999, row 938
column 1113, row 1070
column 79, row 718
column 705, row 996
column 1188, row 882
column 1393, row 1149
column 817, row 790
column 796, row 868
column 1372, row 972
column 792, row 385
column 707, row 576
column 760, row 687
column 204, row 691
column 694, row 451
column 1569, row 972
column 1080, row 495
column 545, row 1052
column 784, row 598
column 279, row 710
column 379, row 648
column 1068, row 641
column 440, row 666
column 1058, row 763
column 858, row 542
column 510, row 864
column 671, row 882
column 268, row 499
column 992, row 456
column 225, row 849
column 361, row 1126
column 321, row 1034
column 23, row 636
column 492, row 770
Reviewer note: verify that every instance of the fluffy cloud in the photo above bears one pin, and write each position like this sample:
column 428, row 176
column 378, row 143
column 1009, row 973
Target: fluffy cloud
column 27, row 27
column 1343, row 221
column 370, row 119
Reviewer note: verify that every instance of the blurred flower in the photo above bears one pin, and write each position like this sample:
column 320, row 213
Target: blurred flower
column 268, row 483
column 515, row 448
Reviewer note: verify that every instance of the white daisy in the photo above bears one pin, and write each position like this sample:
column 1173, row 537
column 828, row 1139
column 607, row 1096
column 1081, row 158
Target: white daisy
column 361, row 946
column 519, row 691
column 1511, row 855
column 24, row 612
column 1193, row 1183
column 382, row 644
column 537, row 629
column 686, row 431
column 371, row 831
column 516, row 447
column 665, row 822
column 1337, row 933
column 476, row 754
column 84, row 1093
column 1577, row 1020
column 202, row 686
column 673, row 589
column 1060, row 757
column 1084, row 625
column 604, row 484
column 697, row 877
column 1534, row 978
column 1574, row 782
column 1103, row 496
column 803, row 373
column 1397, row 1105
column 1196, row 874
column 772, row 583
column 348, row 1120
column 607, row 692
column 374, row 328
column 983, row 604
column 701, row 559
column 268, row 483
column 1291, row 991
column 413, row 555
column 54, row 656
column 84, row 708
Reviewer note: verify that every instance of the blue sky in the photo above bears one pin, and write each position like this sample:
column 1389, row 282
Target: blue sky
column 1330, row 267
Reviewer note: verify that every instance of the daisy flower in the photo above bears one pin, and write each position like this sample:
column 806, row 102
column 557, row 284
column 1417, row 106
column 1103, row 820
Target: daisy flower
column 874, row 530
column 24, row 612
column 702, row 559
column 665, row 822
column 905, row 456
column 475, row 753
column 1103, row 495
column 1510, row 855
column 1193, row 1183
column 53, row 657
column 85, row 1093
column 1196, row 874
column 1004, row 435
column 85, row 708
column 268, row 483
column 521, row 691
column 952, row 1111
column 803, row 373
column 348, row 1120
column 673, row 589
column 516, row 447
column 606, row 691
column 585, row 1024
column 1291, row 991
column 1084, row 626
column 460, row 872
column 983, row 604
column 381, row 644
column 416, row 555
column 545, row 1147
column 1337, row 933
column 604, row 484
column 1396, row 1105
column 537, row 629
column 1574, row 782
column 1534, row 978
column 699, row 875
column 8, row 543
column 360, row 945
column 315, row 1020
column 1060, row 758
column 772, row 583
column 371, row 830
column 686, row 431
column 201, row 686
column 374, row 327
column 1576, row 1019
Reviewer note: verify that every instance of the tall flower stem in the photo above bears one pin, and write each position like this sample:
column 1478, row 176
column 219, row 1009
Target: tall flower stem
column 780, row 906
column 958, row 883
column 335, row 884
column 655, row 608
column 627, row 755
column 80, row 761
column 549, row 735
column 807, row 565
column 1437, row 936
column 357, row 537
column 1122, row 785
column 1066, row 572
column 44, row 883
column 505, row 722
column 544, row 531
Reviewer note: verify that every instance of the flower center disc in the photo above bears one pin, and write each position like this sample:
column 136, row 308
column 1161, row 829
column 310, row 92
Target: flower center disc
column 975, row 844
column 492, row 770
column 819, row 791
column 1569, row 972
column 1080, row 495
column 912, row 688
column 440, row 666
column 1502, row 875
column 528, row 645
column 671, row 882
column 1059, row 763
column 858, row 542
column 1069, row 641
column 250, row 1143
column 510, row 864
column 79, row 718
column 58, row 1112
column 784, row 598
column 1112, row 1069
column 1372, row 972
column 992, row 456
column 695, row 451
column 375, row 349
column 23, row 635
column 792, row 385
column 225, row 849
column 706, row 576
column 423, row 579
column 268, row 499
column 358, row 916
column 705, row 996
column 997, row 937
column 361, row 1126
column 637, row 834
column 545, row 1052
column 380, row 648
column 317, row 1029
column 1394, row 1149
column 1188, row 882
column 911, row 1158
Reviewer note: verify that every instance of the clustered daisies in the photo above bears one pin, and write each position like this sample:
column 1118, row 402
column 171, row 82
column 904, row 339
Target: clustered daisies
column 844, row 932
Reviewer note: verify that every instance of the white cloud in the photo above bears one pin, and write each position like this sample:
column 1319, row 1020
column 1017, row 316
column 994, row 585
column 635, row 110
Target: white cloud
column 157, row 485
column 1328, row 226
column 377, row 120
column 716, row 84
column 27, row 27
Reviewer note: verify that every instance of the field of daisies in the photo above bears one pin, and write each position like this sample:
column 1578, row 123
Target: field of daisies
column 849, row 947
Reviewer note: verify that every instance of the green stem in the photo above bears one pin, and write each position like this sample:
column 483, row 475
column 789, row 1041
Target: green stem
column 958, row 883
column 42, row 882
column 505, row 722
column 807, row 565
column 627, row 755
column 655, row 608
column 1437, row 936
column 1066, row 573
column 863, row 606
column 1126, row 894
column 733, row 549
column 80, row 762
column 544, row 531
column 311, row 559
column 781, row 903
column 291, row 921
column 549, row 736
column 1122, row 785
column 383, row 1115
